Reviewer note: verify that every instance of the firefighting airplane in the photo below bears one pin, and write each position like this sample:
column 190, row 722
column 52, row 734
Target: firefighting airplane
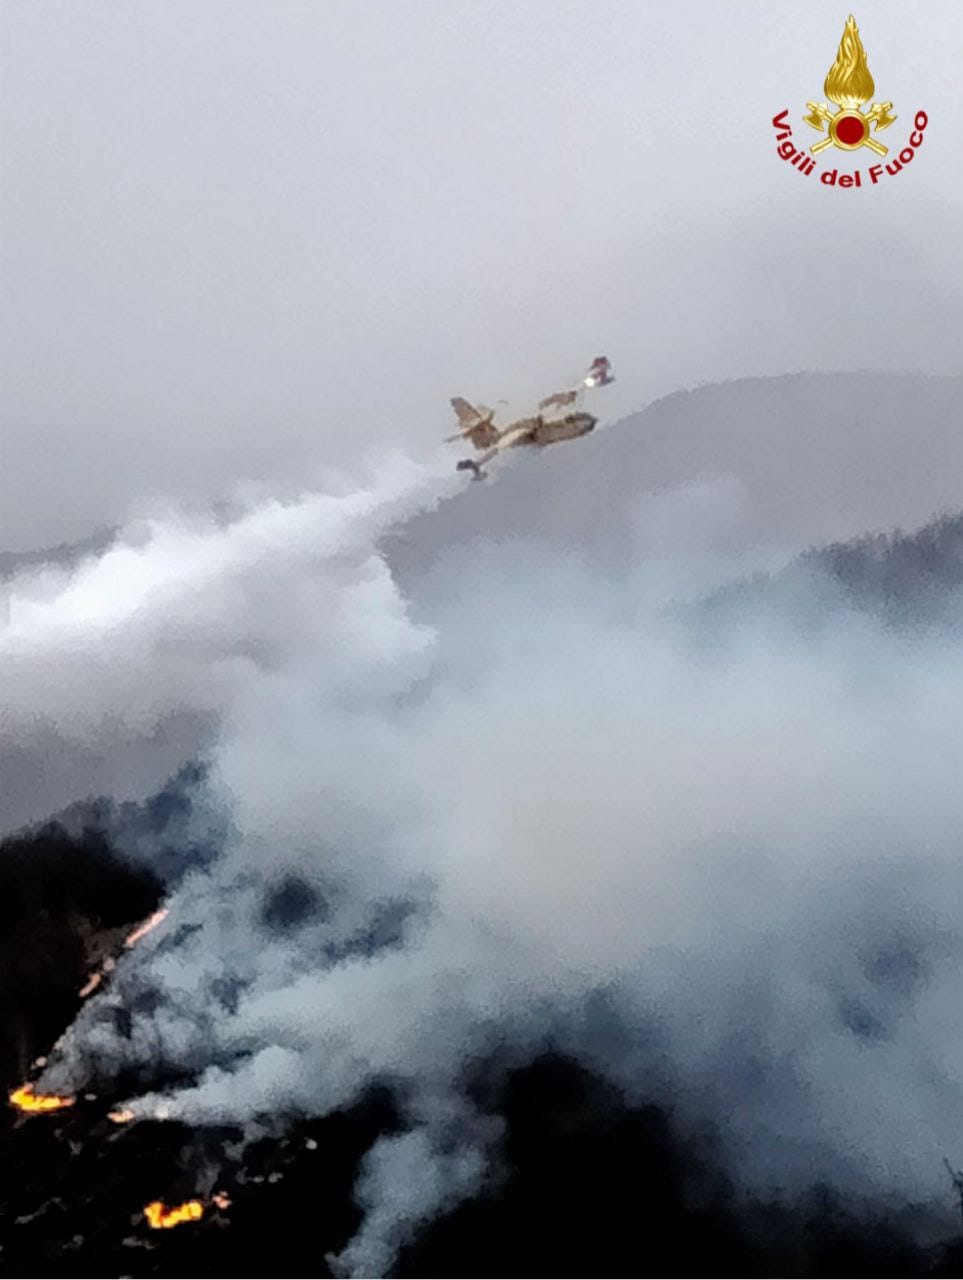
column 477, row 424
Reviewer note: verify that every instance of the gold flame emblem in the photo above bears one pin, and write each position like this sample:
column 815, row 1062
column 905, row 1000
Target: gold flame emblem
column 849, row 85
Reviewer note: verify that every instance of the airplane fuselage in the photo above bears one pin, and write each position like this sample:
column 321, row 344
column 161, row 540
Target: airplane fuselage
column 526, row 432
column 570, row 427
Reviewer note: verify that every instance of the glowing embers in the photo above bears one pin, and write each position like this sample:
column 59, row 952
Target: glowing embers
column 146, row 927
column 96, row 979
column 25, row 1100
column 91, row 985
column 160, row 1218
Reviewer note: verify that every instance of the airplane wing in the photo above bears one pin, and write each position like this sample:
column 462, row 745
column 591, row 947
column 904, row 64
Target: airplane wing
column 470, row 418
column 513, row 436
column 560, row 398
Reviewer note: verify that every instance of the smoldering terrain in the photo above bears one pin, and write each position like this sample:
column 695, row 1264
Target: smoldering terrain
column 531, row 885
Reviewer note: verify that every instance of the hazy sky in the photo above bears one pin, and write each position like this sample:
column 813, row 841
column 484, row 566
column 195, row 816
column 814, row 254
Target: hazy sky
column 245, row 239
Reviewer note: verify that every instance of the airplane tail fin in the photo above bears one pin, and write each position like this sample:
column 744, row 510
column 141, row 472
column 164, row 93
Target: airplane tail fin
column 476, row 424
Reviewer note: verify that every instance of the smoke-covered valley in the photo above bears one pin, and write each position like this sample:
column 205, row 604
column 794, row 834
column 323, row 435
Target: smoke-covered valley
column 537, row 768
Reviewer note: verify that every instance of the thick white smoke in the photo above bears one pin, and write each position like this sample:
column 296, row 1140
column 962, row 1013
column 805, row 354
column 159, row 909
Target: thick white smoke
column 447, row 839
column 181, row 616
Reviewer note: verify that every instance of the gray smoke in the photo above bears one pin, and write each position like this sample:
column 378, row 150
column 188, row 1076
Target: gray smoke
column 452, row 837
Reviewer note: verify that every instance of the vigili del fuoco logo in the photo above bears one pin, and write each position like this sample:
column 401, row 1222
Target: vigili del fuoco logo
column 846, row 126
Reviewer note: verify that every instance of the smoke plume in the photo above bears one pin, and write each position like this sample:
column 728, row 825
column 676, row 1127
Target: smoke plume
column 718, row 865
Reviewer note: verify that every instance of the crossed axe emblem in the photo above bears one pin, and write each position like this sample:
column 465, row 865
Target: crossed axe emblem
column 848, row 127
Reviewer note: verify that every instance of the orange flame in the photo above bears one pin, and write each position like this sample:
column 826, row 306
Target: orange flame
column 24, row 1099
column 146, row 927
column 123, row 1115
column 159, row 1218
